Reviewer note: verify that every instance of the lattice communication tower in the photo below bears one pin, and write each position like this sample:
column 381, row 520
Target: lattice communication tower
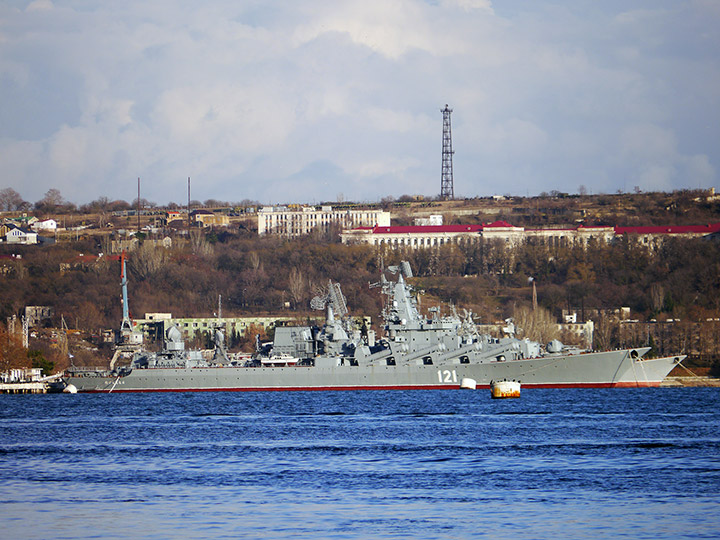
column 447, row 191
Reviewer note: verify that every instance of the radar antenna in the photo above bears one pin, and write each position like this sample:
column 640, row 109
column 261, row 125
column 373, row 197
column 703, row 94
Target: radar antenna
column 404, row 269
column 334, row 297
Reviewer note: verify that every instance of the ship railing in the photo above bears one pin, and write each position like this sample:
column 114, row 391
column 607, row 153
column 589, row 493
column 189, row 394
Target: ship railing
column 86, row 369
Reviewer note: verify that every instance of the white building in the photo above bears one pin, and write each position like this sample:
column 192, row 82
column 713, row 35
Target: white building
column 20, row 375
column 16, row 235
column 423, row 236
column 433, row 219
column 414, row 236
column 46, row 225
column 156, row 324
column 418, row 236
column 292, row 222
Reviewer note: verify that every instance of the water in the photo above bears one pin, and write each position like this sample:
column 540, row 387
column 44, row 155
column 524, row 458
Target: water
column 613, row 463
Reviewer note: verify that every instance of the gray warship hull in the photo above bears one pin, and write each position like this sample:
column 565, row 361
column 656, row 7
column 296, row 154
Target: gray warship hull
column 619, row 368
column 415, row 352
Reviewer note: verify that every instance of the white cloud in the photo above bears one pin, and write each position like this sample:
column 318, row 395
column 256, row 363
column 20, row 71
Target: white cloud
column 698, row 172
column 40, row 5
column 654, row 161
column 514, row 137
column 388, row 28
column 396, row 167
column 397, row 121
column 68, row 151
column 469, row 5
column 645, row 142
column 259, row 99
column 638, row 16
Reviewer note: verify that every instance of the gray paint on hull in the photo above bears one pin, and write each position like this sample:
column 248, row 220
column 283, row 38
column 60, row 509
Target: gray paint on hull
column 612, row 368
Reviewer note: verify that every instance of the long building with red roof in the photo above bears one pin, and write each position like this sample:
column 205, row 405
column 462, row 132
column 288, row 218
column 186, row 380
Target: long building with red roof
column 424, row 236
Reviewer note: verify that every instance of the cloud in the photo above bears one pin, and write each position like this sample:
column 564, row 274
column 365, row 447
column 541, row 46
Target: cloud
column 647, row 142
column 274, row 100
column 654, row 161
column 469, row 5
column 388, row 28
column 40, row 5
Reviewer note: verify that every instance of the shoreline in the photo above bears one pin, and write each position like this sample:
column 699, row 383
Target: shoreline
column 701, row 381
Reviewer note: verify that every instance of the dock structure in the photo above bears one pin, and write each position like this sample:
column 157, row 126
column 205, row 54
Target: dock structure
column 24, row 388
column 28, row 381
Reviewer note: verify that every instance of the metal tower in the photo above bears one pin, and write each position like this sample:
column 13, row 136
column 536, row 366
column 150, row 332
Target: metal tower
column 447, row 191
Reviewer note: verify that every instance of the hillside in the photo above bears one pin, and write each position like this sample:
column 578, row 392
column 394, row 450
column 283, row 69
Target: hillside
column 254, row 275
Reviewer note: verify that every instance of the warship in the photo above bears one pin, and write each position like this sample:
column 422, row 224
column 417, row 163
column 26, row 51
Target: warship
column 414, row 352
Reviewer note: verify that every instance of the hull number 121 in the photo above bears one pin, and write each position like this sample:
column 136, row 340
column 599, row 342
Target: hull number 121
column 447, row 376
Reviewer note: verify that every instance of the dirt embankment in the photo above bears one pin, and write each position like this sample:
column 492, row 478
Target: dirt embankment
column 691, row 381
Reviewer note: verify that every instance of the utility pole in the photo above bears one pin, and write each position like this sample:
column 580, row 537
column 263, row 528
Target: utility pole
column 188, row 204
column 447, row 190
column 138, row 206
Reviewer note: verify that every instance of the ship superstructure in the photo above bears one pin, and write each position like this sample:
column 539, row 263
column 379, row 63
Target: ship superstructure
column 414, row 352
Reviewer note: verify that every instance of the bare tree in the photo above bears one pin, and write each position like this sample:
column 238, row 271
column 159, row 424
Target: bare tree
column 147, row 260
column 657, row 296
column 11, row 200
column 88, row 316
column 144, row 203
column 248, row 202
column 254, row 260
column 214, row 203
column 12, row 353
column 605, row 333
column 535, row 324
column 199, row 245
column 298, row 286
column 102, row 218
column 52, row 199
column 102, row 204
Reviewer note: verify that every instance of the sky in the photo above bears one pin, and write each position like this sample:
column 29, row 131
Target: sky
column 331, row 100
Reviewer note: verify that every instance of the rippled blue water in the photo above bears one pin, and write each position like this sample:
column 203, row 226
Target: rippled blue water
column 614, row 463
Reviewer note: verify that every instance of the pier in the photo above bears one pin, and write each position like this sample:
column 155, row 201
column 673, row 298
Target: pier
column 24, row 388
column 29, row 381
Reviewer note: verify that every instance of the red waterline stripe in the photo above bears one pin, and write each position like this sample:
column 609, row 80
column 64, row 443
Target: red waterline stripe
column 399, row 387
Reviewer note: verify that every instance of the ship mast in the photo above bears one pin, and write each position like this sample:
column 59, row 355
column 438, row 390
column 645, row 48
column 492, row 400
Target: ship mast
column 126, row 326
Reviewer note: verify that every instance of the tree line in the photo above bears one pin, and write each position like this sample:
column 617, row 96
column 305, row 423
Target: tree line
column 53, row 202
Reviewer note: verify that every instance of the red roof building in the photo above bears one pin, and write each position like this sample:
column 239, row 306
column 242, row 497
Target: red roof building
column 422, row 236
